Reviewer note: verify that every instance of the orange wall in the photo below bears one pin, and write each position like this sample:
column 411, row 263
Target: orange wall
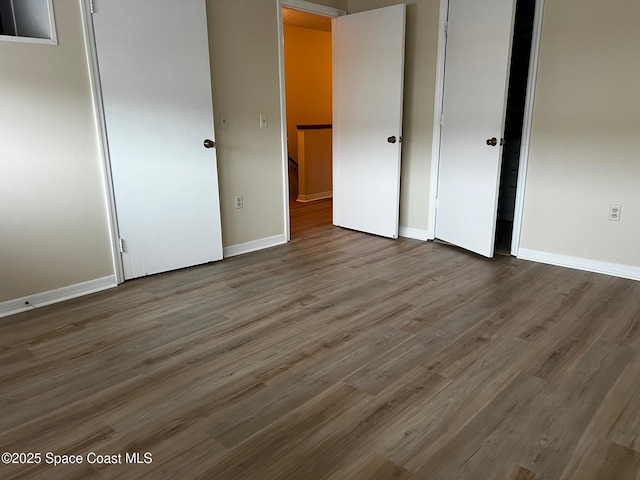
column 307, row 56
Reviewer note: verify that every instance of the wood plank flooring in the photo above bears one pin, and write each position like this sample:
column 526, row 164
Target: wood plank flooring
column 337, row 356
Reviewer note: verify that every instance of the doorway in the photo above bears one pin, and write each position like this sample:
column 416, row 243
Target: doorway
column 471, row 174
column 514, row 121
column 308, row 92
column 366, row 161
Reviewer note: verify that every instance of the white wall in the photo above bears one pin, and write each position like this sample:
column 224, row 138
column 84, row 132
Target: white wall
column 53, row 227
column 585, row 151
column 243, row 41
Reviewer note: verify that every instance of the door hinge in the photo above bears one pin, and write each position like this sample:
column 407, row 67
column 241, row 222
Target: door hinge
column 441, row 119
column 91, row 8
column 446, row 28
column 121, row 245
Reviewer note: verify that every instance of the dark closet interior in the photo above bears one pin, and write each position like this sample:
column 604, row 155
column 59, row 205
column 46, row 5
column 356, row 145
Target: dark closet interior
column 518, row 80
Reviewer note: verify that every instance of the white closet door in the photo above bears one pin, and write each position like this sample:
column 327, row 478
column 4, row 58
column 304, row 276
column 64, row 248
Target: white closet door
column 478, row 56
column 154, row 71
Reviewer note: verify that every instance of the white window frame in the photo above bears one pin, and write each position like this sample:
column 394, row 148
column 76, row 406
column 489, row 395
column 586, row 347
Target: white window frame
column 53, row 40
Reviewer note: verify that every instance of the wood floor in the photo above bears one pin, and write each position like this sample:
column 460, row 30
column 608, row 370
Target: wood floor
column 337, row 356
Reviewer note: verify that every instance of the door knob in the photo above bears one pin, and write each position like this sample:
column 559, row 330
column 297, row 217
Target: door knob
column 209, row 143
column 492, row 142
column 392, row 139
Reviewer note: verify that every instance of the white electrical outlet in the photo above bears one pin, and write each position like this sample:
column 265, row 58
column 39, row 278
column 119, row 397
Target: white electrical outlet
column 614, row 212
column 239, row 201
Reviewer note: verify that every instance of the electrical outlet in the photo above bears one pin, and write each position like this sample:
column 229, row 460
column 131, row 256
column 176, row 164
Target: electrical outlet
column 264, row 121
column 614, row 212
column 239, row 201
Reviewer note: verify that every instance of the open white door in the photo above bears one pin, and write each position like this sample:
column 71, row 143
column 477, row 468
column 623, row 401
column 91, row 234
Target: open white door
column 478, row 55
column 367, row 119
column 154, row 71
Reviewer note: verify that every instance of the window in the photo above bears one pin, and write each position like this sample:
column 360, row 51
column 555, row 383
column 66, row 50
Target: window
column 27, row 21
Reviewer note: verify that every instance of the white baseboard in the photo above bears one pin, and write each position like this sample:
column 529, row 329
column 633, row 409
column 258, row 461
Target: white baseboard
column 36, row 300
column 415, row 233
column 596, row 266
column 314, row 196
column 254, row 245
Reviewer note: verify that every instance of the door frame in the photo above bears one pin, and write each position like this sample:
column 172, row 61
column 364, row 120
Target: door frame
column 309, row 7
column 86, row 7
column 526, row 130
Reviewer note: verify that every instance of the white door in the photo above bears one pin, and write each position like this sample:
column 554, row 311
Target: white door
column 368, row 50
column 154, row 70
column 477, row 64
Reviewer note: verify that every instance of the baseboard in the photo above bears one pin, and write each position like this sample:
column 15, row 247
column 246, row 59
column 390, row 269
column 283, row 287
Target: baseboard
column 11, row 307
column 314, row 196
column 254, row 245
column 596, row 266
column 415, row 233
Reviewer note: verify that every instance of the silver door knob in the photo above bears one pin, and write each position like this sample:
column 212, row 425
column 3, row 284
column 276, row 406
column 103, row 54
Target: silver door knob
column 209, row 143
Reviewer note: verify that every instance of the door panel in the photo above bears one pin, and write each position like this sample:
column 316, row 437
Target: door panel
column 477, row 64
column 367, row 109
column 155, row 76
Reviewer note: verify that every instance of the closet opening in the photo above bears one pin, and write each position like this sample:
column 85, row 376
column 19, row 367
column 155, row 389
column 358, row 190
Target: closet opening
column 516, row 99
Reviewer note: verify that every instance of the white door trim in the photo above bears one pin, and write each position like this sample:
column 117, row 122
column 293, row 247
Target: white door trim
column 283, row 123
column 526, row 132
column 101, row 132
column 437, row 119
column 309, row 7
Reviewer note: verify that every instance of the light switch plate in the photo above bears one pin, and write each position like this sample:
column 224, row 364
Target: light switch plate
column 224, row 122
